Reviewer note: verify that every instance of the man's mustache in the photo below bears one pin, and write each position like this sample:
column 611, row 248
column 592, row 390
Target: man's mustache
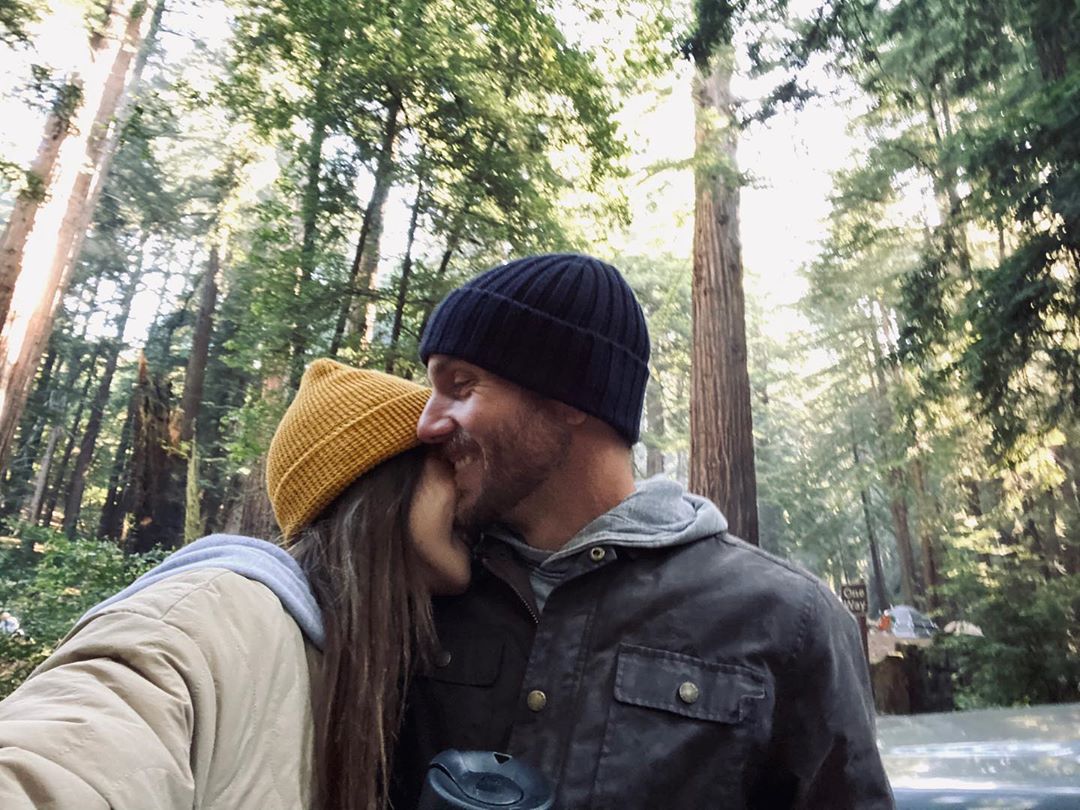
column 461, row 445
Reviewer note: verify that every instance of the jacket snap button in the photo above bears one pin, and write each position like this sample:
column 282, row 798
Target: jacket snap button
column 536, row 700
column 597, row 553
column 689, row 693
column 444, row 658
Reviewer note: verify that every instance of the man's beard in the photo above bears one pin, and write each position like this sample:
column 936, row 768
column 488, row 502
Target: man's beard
column 520, row 455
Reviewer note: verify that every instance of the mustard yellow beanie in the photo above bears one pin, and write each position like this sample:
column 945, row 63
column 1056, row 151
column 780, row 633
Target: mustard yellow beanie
column 343, row 422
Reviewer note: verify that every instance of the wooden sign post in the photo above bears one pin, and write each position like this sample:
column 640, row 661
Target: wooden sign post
column 853, row 596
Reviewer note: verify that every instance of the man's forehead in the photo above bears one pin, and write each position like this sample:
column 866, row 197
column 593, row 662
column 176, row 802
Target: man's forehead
column 441, row 364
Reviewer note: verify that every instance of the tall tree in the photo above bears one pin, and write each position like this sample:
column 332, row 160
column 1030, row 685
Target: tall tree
column 721, row 423
column 877, row 570
column 157, row 516
column 368, row 248
column 49, row 221
column 74, row 431
column 195, row 375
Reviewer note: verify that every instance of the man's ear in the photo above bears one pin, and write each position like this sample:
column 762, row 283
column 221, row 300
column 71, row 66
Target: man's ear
column 568, row 414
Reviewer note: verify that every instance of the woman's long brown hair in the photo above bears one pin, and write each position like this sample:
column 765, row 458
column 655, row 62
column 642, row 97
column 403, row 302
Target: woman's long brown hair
column 377, row 612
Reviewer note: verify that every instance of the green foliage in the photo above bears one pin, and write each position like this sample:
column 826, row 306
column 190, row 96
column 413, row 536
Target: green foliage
column 15, row 16
column 984, row 96
column 50, row 591
column 28, row 185
column 662, row 284
column 950, row 334
column 55, row 94
column 932, row 393
column 489, row 103
column 1028, row 654
column 713, row 30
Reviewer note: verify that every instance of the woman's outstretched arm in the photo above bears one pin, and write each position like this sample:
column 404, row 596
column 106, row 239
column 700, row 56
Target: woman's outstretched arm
column 177, row 697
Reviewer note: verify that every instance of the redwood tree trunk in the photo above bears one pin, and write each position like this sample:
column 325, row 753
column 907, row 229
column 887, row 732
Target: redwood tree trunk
column 59, row 403
column 200, row 349
column 654, row 418
column 308, row 246
column 354, row 303
column 42, row 478
column 902, row 531
column 256, row 512
column 876, row 568
column 60, row 475
column 362, row 312
column 350, row 291
column 721, row 427
column 16, row 481
column 110, row 525
column 928, row 519
column 898, row 487
column 157, row 515
column 43, row 176
column 48, row 228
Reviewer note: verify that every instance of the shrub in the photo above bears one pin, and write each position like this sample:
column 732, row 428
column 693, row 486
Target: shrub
column 1029, row 653
column 49, row 591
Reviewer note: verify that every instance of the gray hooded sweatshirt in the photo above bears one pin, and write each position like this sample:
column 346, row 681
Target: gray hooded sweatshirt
column 659, row 513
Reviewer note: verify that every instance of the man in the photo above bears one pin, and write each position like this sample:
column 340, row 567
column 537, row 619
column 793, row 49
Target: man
column 616, row 637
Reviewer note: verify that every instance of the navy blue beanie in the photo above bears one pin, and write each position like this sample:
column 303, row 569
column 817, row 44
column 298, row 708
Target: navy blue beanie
column 563, row 325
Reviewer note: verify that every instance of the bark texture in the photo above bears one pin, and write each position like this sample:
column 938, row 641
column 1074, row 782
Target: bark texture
column 156, row 463
column 654, row 418
column 200, row 348
column 721, row 426
column 362, row 312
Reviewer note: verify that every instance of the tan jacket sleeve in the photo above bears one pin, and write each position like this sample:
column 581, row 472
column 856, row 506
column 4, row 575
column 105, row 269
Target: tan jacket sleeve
column 127, row 713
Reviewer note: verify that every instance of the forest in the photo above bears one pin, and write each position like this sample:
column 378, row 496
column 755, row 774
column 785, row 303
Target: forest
column 201, row 197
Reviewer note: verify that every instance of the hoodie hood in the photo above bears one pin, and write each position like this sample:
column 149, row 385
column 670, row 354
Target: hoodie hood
column 255, row 559
column 659, row 513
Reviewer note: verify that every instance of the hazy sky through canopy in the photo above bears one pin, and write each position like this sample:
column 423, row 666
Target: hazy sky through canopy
column 789, row 159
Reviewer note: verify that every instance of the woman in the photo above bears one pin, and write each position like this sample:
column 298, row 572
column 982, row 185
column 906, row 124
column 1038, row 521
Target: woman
column 239, row 674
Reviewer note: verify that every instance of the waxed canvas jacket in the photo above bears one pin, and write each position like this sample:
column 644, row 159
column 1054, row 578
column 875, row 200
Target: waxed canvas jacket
column 705, row 675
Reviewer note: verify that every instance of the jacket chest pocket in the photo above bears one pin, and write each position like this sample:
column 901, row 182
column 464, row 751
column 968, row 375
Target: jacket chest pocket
column 679, row 730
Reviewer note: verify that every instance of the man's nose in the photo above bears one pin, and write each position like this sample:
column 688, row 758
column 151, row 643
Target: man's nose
column 435, row 425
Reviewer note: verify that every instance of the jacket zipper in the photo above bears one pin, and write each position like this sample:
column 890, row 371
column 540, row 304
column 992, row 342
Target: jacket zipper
column 485, row 559
column 524, row 601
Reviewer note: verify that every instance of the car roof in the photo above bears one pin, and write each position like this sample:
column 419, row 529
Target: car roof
column 992, row 751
